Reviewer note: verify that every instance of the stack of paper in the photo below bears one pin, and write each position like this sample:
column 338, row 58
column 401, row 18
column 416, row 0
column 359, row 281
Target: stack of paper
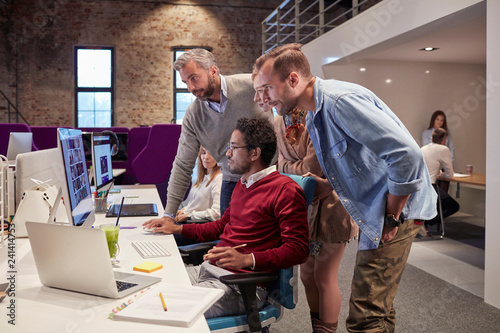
column 184, row 305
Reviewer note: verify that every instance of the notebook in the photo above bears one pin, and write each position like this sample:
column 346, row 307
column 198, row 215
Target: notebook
column 185, row 304
column 147, row 209
column 77, row 259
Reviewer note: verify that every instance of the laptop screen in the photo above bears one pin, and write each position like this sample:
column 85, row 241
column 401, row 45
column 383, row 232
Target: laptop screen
column 76, row 190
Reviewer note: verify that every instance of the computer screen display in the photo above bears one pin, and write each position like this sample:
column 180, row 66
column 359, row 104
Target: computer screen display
column 101, row 160
column 76, row 190
column 122, row 154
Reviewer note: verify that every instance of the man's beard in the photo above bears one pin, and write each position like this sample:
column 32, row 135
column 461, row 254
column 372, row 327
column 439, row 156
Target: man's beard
column 239, row 169
column 209, row 91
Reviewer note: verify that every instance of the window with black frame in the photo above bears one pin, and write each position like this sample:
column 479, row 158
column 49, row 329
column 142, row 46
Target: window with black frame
column 94, row 85
column 182, row 96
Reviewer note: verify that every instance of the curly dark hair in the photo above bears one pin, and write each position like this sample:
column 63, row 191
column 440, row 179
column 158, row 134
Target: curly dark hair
column 259, row 133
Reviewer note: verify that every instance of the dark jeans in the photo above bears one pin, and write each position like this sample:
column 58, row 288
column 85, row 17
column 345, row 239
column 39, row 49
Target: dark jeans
column 226, row 191
column 450, row 206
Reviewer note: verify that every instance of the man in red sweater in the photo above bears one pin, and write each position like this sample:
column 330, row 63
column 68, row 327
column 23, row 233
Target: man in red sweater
column 267, row 212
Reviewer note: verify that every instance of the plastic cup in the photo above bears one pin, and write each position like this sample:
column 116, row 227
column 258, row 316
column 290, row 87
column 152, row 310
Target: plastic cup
column 112, row 231
column 469, row 168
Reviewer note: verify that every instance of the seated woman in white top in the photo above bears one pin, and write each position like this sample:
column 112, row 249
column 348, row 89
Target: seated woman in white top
column 203, row 201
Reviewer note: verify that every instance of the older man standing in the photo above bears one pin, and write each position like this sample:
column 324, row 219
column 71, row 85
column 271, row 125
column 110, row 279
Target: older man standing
column 208, row 122
column 370, row 159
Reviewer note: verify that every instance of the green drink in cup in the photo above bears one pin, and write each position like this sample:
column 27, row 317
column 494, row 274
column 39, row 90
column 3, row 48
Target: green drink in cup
column 112, row 231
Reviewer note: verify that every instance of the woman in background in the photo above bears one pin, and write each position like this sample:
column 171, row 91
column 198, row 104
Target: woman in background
column 203, row 201
column 438, row 120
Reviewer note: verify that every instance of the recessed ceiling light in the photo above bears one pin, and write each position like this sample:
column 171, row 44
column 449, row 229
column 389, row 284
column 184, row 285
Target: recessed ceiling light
column 429, row 49
column 362, row 69
column 388, row 81
column 427, row 72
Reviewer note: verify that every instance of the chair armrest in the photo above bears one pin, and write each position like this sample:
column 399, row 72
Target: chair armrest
column 195, row 221
column 248, row 278
column 247, row 283
column 198, row 247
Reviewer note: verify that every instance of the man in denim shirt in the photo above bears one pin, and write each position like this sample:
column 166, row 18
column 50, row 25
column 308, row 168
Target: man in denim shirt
column 374, row 165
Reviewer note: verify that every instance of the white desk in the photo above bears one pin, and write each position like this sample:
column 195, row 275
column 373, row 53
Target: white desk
column 42, row 309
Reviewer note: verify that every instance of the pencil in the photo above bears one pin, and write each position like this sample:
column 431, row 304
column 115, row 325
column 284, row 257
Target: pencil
column 163, row 302
column 208, row 255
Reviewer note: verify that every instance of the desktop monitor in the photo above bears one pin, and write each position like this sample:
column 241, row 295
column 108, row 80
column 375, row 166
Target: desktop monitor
column 101, row 161
column 76, row 187
column 19, row 142
column 121, row 142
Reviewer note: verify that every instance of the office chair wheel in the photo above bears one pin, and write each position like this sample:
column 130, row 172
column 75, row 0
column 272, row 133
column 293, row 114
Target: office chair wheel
column 265, row 329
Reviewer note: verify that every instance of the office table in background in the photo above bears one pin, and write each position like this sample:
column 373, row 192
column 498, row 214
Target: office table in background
column 43, row 309
column 474, row 180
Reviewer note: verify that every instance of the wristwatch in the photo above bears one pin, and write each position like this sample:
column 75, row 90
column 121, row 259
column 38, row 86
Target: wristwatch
column 391, row 221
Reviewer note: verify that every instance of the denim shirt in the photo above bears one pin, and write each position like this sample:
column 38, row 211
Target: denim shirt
column 366, row 152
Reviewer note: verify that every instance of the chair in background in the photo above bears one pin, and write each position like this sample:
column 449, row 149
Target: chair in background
column 137, row 140
column 6, row 129
column 154, row 163
column 282, row 288
column 45, row 137
column 440, row 211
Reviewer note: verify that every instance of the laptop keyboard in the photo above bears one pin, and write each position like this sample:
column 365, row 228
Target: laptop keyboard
column 124, row 285
column 150, row 249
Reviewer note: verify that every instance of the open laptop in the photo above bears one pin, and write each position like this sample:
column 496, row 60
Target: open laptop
column 19, row 142
column 77, row 259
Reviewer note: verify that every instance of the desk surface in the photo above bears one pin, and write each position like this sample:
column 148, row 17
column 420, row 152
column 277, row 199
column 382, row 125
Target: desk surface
column 473, row 179
column 43, row 309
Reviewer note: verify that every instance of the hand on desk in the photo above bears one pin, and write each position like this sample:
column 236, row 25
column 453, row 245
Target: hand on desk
column 229, row 257
column 164, row 224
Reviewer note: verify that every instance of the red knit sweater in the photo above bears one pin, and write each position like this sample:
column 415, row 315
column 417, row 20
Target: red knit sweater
column 270, row 217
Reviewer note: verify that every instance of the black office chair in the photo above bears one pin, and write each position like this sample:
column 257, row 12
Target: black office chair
column 440, row 226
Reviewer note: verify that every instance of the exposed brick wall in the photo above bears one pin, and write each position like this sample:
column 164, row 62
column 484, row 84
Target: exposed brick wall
column 37, row 50
column 142, row 32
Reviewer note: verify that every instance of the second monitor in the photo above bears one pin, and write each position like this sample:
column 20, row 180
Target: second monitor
column 101, row 161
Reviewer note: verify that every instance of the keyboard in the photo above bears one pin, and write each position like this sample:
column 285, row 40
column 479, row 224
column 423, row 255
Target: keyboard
column 150, row 249
column 124, row 285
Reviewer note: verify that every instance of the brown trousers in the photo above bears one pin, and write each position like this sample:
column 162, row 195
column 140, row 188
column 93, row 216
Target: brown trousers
column 375, row 282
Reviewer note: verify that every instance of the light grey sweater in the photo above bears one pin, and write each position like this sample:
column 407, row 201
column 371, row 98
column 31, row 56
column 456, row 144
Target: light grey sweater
column 205, row 127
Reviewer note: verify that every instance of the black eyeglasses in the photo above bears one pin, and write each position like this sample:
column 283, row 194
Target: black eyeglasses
column 231, row 148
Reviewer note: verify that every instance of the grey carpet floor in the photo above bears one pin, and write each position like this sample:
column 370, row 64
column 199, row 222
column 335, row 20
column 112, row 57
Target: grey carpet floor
column 424, row 303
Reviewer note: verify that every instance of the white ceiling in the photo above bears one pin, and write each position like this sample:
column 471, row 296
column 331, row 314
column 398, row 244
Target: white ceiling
column 464, row 42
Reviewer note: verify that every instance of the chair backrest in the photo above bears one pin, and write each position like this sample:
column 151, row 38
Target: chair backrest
column 308, row 184
column 137, row 140
column 153, row 164
column 45, row 137
column 285, row 289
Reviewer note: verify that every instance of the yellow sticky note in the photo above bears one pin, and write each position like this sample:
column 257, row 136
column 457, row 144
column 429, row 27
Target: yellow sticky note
column 148, row 267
